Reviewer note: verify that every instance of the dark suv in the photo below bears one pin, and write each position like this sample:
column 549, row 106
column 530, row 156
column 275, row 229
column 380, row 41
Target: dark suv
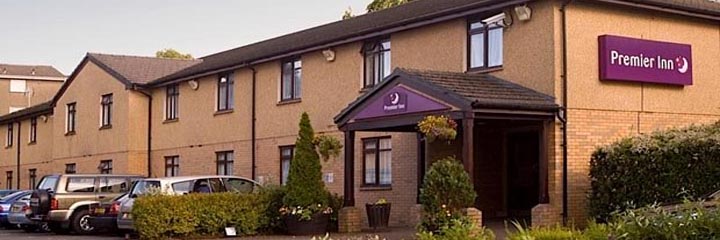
column 63, row 200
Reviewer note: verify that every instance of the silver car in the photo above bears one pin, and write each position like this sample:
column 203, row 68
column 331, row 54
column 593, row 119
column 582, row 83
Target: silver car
column 19, row 211
column 180, row 186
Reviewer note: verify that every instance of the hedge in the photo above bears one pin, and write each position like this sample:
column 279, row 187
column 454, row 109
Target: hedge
column 660, row 167
column 193, row 215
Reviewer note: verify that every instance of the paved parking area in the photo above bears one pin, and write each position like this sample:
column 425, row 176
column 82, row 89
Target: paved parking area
column 19, row 234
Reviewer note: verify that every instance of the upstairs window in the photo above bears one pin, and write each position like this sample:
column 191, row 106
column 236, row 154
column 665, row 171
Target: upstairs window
column 33, row 130
column 172, row 95
column 486, row 42
column 9, row 135
column 106, row 111
column 70, row 118
column 377, row 62
column 18, row 86
column 225, row 92
column 291, row 84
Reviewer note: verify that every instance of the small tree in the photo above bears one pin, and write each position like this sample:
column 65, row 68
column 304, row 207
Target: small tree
column 172, row 54
column 446, row 190
column 305, row 186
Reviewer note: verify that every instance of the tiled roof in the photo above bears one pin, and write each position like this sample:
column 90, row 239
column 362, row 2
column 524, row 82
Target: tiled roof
column 137, row 69
column 345, row 29
column 34, row 110
column 486, row 91
column 30, row 70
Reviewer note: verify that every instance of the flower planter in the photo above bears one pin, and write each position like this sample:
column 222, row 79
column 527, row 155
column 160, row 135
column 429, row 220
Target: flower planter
column 315, row 226
column 378, row 215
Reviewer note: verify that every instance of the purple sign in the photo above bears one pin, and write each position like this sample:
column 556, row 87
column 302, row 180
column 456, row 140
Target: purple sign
column 399, row 100
column 638, row 60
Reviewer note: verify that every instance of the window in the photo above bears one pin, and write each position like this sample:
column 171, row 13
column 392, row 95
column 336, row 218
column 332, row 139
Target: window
column 113, row 185
column 9, row 179
column 172, row 95
column 172, row 166
column 225, row 93
column 33, row 178
column 225, row 163
column 9, row 135
column 105, row 167
column 286, row 155
column 33, row 130
column 106, row 110
column 80, row 185
column 70, row 118
column 239, row 185
column 70, row 168
column 377, row 161
column 377, row 62
column 291, row 80
column 486, row 42
column 18, row 86
column 182, row 187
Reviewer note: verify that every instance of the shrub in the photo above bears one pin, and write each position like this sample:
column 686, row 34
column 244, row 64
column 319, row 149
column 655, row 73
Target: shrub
column 272, row 196
column 305, row 186
column 458, row 229
column 655, row 167
column 446, row 191
column 165, row 216
column 543, row 233
column 690, row 221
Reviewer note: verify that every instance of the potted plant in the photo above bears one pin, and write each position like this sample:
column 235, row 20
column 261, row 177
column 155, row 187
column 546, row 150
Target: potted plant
column 305, row 208
column 378, row 214
column 438, row 127
column 328, row 146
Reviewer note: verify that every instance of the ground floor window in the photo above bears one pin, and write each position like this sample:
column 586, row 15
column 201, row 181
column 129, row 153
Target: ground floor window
column 9, row 179
column 172, row 166
column 106, row 167
column 225, row 163
column 377, row 161
column 70, row 168
column 286, row 155
column 33, row 177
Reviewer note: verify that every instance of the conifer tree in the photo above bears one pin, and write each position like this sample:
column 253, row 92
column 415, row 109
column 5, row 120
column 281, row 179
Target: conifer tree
column 305, row 186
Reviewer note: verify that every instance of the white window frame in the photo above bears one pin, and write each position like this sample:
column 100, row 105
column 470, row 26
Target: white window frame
column 18, row 86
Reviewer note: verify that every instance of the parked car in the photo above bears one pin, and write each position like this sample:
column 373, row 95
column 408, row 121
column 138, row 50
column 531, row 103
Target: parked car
column 103, row 216
column 19, row 211
column 179, row 186
column 6, row 202
column 63, row 201
column 5, row 192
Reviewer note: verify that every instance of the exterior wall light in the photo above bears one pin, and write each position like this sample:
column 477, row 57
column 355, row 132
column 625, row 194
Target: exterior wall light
column 523, row 12
column 329, row 55
column 194, row 84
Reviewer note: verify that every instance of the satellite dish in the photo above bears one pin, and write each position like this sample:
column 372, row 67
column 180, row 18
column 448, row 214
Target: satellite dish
column 194, row 84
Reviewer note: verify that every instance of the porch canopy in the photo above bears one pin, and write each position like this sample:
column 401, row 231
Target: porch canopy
column 408, row 95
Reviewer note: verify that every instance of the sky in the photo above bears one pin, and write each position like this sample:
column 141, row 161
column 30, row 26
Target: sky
column 59, row 33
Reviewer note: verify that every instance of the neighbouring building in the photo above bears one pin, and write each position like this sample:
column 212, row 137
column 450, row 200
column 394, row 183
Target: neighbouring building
column 22, row 86
column 535, row 87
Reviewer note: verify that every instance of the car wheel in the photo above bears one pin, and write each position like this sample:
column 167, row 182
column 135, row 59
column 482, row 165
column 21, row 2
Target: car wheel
column 80, row 222
column 43, row 227
column 56, row 228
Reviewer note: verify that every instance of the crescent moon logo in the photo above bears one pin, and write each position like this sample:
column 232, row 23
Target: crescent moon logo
column 394, row 98
column 684, row 67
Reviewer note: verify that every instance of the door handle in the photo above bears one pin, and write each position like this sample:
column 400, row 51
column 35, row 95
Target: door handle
column 101, row 197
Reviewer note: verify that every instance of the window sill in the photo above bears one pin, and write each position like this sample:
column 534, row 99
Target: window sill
column 376, row 188
column 170, row 120
column 289, row 101
column 70, row 133
column 32, row 143
column 221, row 112
column 8, row 147
column 485, row 70
column 105, row 127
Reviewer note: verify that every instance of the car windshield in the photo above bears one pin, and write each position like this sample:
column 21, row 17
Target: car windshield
column 12, row 196
column 4, row 193
column 48, row 183
column 142, row 187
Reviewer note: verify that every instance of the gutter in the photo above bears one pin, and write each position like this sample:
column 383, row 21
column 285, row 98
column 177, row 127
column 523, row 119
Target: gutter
column 667, row 9
column 562, row 116
column 149, row 129
column 18, row 153
column 253, row 129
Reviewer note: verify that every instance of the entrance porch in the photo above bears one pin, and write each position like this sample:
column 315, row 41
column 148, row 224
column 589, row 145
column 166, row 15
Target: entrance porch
column 503, row 134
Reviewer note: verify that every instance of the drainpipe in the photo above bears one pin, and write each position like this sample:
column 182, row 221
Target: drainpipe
column 252, row 124
column 149, row 129
column 563, row 116
column 18, row 153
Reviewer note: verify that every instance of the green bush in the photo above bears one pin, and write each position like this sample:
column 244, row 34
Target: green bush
column 458, row 229
column 272, row 196
column 690, row 221
column 543, row 233
column 659, row 167
column 165, row 216
column 445, row 192
column 305, row 186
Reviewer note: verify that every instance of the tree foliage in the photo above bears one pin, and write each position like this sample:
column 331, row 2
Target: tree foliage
column 377, row 5
column 172, row 54
column 305, row 186
column 446, row 191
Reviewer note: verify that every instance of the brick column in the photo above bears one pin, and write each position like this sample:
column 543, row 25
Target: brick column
column 349, row 220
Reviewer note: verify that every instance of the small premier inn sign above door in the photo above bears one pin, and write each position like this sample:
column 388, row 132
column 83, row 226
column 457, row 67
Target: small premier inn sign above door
column 399, row 100
column 638, row 60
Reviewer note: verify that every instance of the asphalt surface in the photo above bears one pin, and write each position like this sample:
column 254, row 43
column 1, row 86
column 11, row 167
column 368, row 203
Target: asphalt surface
column 19, row 234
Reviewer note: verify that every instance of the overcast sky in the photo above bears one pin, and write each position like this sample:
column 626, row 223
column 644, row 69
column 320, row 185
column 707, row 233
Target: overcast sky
column 59, row 33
